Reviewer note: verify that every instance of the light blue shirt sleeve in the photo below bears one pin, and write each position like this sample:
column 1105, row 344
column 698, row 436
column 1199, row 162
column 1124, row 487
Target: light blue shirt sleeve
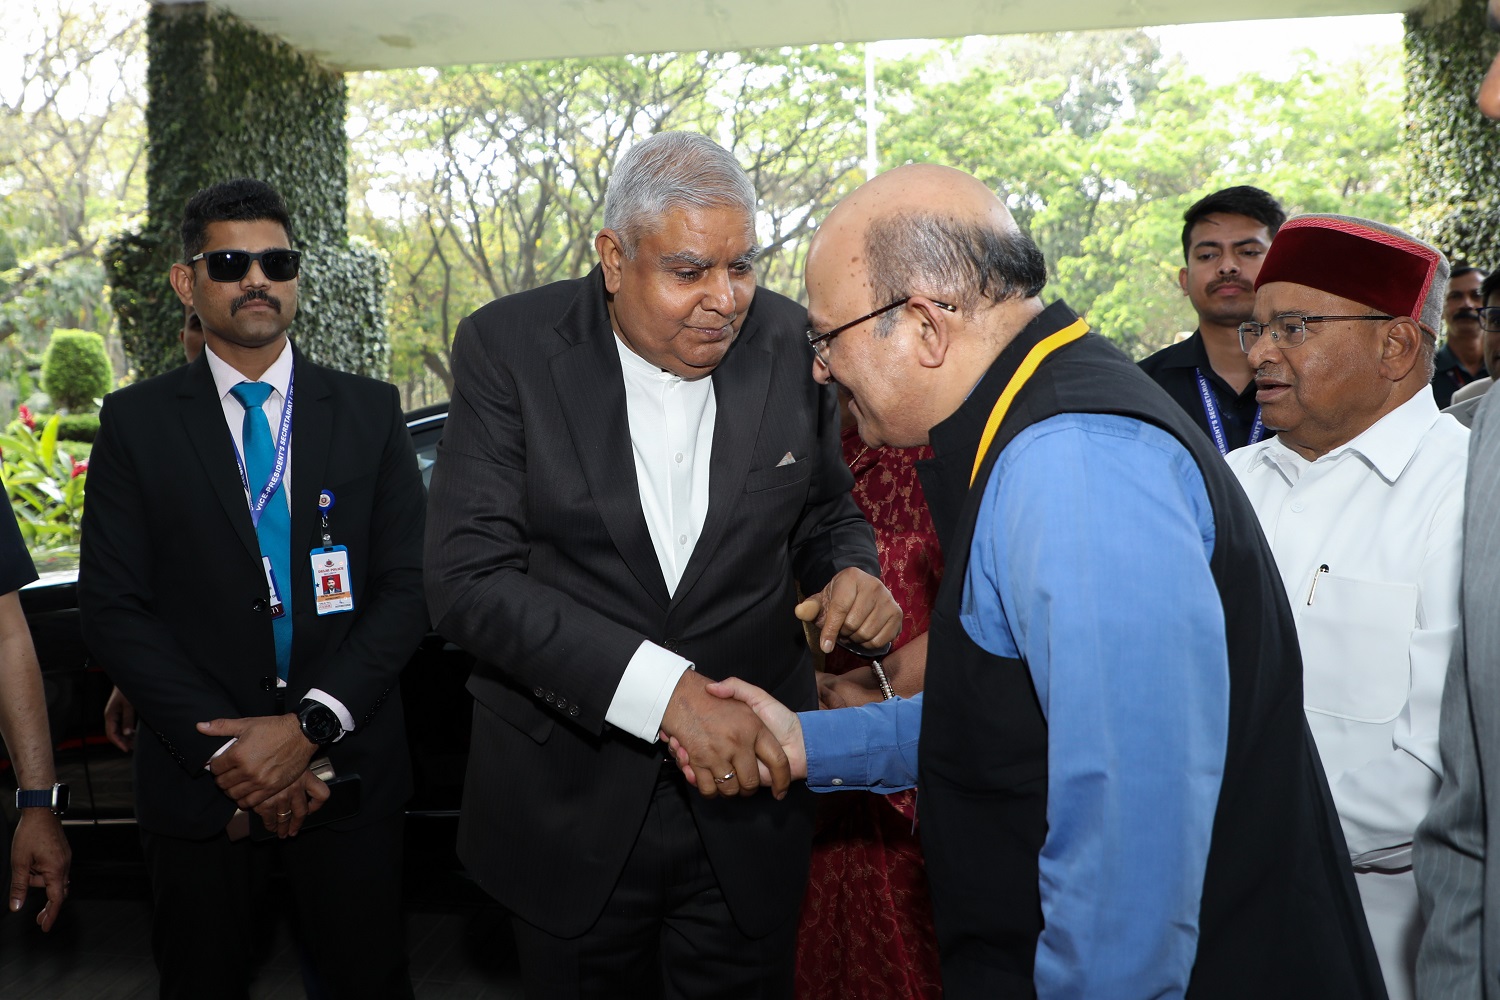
column 872, row 747
column 1090, row 561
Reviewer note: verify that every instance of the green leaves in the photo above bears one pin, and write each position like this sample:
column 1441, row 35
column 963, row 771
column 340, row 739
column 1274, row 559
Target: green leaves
column 44, row 483
column 75, row 370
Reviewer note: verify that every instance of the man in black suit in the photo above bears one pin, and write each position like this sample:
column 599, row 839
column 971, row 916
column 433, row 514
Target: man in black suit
column 210, row 524
column 636, row 475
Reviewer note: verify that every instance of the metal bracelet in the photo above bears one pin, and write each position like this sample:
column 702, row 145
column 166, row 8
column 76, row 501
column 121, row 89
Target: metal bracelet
column 885, row 684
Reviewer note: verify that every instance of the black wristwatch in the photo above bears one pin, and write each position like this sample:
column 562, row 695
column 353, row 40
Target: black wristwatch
column 54, row 798
column 319, row 723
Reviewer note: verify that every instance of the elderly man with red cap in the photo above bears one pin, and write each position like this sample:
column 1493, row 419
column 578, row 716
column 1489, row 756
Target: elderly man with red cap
column 1360, row 494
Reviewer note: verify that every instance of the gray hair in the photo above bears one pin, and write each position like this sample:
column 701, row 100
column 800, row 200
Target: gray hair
column 958, row 262
column 673, row 170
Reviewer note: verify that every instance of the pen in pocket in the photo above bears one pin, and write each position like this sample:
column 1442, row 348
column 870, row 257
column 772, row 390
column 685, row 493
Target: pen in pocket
column 1314, row 588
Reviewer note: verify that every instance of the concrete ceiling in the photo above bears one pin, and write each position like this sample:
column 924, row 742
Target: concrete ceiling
column 388, row 34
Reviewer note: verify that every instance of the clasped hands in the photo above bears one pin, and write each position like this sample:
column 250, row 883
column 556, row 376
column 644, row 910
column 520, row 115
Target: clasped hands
column 730, row 737
column 266, row 770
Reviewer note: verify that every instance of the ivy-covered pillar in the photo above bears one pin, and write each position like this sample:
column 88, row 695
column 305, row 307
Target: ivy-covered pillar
column 1455, row 188
column 226, row 100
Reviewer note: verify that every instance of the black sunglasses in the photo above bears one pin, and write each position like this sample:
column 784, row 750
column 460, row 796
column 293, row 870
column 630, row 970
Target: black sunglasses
column 232, row 265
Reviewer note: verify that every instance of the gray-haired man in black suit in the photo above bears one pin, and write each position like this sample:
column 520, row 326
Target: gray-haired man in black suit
column 636, row 476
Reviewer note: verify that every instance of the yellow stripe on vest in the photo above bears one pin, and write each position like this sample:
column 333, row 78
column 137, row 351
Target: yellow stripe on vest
column 1029, row 365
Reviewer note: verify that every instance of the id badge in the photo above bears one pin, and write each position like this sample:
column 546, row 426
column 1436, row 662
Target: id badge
column 277, row 607
column 333, row 591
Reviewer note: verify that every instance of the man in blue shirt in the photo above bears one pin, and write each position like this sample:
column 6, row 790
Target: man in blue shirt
column 1119, row 797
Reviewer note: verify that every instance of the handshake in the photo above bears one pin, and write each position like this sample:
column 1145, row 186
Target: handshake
column 730, row 737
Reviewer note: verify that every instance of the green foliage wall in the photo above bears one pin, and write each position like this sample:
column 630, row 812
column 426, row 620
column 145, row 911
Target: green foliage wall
column 75, row 370
column 229, row 101
column 1455, row 189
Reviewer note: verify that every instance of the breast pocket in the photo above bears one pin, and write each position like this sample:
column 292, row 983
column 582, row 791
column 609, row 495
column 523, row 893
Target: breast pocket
column 1356, row 638
column 781, row 475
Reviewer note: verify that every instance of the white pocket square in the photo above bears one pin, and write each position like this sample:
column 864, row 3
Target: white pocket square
column 786, row 459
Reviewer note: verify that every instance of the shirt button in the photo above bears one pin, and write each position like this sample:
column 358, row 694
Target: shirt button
column 682, row 539
column 1297, row 508
column 679, row 458
column 837, row 781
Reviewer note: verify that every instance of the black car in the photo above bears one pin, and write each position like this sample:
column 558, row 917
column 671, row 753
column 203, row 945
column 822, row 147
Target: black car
column 99, row 775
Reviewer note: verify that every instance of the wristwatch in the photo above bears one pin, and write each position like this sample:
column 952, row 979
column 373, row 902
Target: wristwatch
column 319, row 723
column 54, row 798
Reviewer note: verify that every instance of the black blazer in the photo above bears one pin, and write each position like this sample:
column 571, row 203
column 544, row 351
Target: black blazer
column 171, row 586
column 540, row 564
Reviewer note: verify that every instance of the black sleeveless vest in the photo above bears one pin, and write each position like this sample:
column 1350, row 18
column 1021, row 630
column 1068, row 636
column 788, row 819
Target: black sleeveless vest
column 1280, row 916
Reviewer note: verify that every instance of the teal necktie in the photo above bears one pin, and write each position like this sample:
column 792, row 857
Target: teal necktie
column 275, row 526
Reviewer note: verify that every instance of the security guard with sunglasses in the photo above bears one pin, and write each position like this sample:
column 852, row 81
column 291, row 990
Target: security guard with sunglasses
column 251, row 579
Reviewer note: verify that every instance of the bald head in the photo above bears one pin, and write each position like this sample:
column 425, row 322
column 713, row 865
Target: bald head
column 919, row 187
column 928, row 229
column 916, row 281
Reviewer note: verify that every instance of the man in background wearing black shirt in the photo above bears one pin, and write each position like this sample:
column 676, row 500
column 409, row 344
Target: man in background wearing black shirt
column 1461, row 359
column 1225, row 236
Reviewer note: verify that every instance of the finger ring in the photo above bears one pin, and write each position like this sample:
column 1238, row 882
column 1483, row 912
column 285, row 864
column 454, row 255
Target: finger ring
column 727, row 777
column 284, row 815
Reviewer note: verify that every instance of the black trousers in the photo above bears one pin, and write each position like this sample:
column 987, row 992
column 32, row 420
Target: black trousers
column 666, row 931
column 214, row 900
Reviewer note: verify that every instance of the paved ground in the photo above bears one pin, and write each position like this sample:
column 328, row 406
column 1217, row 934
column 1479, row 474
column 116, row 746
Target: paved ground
column 460, row 943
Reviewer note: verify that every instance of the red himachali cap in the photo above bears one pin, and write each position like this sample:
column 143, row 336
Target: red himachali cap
column 1368, row 262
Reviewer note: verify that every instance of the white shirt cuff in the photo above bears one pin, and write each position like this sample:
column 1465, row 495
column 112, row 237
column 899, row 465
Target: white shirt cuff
column 345, row 719
column 645, row 688
column 221, row 749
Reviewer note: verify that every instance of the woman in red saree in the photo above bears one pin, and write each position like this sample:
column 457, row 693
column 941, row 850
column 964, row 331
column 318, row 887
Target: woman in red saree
column 866, row 926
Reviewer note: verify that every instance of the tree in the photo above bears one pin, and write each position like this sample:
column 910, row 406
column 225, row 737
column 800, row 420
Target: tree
column 1099, row 145
column 72, row 156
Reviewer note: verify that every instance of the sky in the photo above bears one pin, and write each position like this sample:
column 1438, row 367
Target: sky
column 1269, row 45
column 1220, row 51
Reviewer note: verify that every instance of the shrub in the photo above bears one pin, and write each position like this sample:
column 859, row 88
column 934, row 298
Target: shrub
column 78, row 427
column 75, row 369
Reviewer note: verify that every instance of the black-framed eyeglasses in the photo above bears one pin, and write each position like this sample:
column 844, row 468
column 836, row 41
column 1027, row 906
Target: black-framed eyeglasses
column 1288, row 331
column 1489, row 319
column 233, row 265
column 819, row 341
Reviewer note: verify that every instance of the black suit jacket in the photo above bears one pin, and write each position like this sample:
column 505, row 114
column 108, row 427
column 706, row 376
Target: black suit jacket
column 540, row 564
column 171, row 586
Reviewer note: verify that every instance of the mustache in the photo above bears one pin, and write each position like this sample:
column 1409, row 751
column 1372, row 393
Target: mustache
column 1239, row 283
column 1466, row 313
column 252, row 296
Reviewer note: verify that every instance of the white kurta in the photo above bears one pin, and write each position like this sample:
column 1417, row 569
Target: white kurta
column 1368, row 539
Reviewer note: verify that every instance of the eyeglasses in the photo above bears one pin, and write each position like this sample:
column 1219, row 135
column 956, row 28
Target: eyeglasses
column 819, row 341
column 1288, row 331
column 1489, row 319
column 233, row 265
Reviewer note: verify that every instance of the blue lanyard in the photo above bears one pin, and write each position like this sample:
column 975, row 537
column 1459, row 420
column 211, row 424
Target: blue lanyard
column 1215, row 422
column 278, row 466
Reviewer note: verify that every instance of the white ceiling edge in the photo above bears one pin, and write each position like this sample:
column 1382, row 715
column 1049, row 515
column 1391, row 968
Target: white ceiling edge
column 393, row 34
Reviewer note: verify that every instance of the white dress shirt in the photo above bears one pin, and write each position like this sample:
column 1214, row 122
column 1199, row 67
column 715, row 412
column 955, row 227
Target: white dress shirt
column 1369, row 539
column 671, row 438
column 226, row 377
